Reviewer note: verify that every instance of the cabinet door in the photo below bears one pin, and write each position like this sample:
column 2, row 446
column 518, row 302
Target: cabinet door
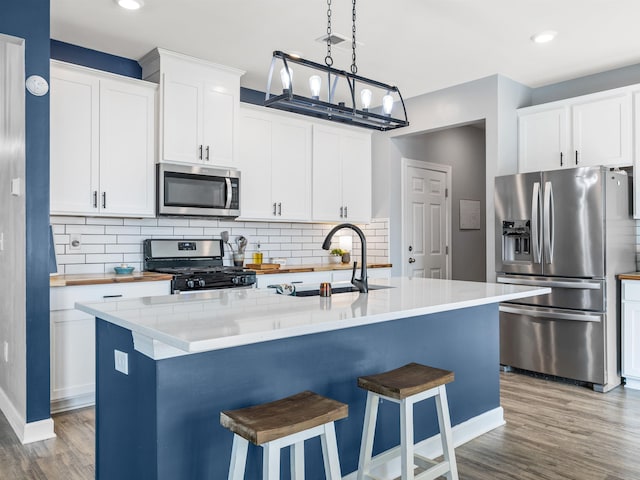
column 327, row 175
column 182, row 119
column 127, row 149
column 218, row 121
column 355, row 153
column 631, row 340
column 542, row 140
column 291, row 170
column 602, row 132
column 74, row 142
column 255, row 164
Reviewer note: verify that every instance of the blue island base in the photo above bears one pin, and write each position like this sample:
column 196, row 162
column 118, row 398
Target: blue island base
column 161, row 421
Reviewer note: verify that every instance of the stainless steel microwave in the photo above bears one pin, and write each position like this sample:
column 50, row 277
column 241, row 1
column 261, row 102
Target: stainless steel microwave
column 197, row 191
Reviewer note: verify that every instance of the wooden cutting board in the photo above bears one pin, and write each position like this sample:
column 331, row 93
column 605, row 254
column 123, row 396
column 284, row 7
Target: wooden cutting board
column 263, row 266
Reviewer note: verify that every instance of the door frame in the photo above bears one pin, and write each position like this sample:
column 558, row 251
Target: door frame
column 447, row 170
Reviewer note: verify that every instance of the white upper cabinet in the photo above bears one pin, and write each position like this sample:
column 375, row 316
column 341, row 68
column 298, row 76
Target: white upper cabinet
column 102, row 143
column 199, row 107
column 341, row 175
column 543, row 139
column 583, row 131
column 275, row 160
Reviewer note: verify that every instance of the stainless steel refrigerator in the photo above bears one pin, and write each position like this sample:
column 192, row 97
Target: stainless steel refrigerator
column 570, row 230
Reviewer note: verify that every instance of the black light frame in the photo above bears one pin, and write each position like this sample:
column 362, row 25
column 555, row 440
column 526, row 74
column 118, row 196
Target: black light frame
column 290, row 102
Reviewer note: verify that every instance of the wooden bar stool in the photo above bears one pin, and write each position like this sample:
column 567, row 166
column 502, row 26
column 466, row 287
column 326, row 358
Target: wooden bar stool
column 407, row 385
column 282, row 423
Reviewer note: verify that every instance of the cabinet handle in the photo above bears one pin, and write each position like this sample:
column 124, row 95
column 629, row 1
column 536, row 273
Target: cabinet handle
column 104, row 199
column 95, row 199
column 280, row 209
column 207, row 157
column 345, row 211
column 112, row 296
column 200, row 152
column 576, row 157
column 561, row 154
column 274, row 209
column 341, row 212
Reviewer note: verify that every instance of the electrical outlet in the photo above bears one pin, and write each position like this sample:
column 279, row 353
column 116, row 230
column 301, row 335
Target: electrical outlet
column 121, row 361
column 75, row 241
column 5, row 350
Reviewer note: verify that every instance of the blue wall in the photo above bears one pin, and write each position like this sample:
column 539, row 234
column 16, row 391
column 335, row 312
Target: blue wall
column 29, row 19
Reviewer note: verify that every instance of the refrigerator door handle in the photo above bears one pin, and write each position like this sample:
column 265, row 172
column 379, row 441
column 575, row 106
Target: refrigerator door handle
column 551, row 315
column 548, row 222
column 550, row 283
column 535, row 223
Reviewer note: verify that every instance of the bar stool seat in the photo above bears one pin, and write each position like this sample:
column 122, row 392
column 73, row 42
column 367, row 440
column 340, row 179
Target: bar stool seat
column 408, row 385
column 282, row 423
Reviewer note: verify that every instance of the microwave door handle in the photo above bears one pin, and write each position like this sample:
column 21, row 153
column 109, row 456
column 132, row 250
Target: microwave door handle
column 228, row 204
column 548, row 222
column 535, row 223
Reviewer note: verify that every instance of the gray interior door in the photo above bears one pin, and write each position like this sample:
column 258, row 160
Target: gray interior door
column 573, row 231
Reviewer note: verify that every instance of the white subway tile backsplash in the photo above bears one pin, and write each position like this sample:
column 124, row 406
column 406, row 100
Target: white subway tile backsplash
column 104, row 221
column 108, row 242
column 129, row 230
column 88, row 229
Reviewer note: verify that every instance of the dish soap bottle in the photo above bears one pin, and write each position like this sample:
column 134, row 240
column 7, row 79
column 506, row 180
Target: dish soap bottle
column 257, row 255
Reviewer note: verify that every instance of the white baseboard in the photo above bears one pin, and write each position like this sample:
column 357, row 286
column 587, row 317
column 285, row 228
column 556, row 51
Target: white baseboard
column 26, row 432
column 632, row 383
column 432, row 448
column 71, row 403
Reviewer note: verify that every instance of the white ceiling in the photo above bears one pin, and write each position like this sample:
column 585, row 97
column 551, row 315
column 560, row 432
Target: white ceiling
column 418, row 45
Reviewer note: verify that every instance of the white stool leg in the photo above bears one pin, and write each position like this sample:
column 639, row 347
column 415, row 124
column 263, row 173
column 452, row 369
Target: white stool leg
column 330, row 452
column 297, row 461
column 406, row 439
column 270, row 462
column 238, row 458
column 368, row 431
column 446, row 433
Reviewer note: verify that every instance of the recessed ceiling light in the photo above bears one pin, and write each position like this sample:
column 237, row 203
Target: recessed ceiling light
column 130, row 4
column 544, row 37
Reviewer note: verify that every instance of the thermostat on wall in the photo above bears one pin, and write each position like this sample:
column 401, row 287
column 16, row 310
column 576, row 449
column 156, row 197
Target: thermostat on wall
column 36, row 85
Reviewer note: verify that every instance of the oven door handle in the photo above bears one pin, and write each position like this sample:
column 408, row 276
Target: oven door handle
column 550, row 283
column 554, row 315
column 228, row 182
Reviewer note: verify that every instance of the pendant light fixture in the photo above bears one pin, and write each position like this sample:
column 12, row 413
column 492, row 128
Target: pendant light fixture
column 332, row 94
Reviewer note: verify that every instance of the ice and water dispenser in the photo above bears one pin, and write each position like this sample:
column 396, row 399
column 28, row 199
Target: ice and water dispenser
column 516, row 240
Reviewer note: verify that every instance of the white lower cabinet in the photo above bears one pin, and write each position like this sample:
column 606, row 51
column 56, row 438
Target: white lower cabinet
column 73, row 366
column 631, row 333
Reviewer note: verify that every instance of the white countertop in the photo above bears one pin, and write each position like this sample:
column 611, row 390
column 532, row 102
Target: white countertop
column 172, row 325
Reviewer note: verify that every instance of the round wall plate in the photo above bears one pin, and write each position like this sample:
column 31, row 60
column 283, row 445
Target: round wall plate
column 36, row 85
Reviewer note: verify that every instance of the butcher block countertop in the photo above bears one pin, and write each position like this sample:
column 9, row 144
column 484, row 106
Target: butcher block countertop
column 102, row 278
column 318, row 268
column 629, row 276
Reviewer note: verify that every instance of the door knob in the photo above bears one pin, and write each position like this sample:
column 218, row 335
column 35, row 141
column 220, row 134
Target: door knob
column 412, row 260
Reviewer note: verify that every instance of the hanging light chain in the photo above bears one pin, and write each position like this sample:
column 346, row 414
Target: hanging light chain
column 354, row 67
column 328, row 59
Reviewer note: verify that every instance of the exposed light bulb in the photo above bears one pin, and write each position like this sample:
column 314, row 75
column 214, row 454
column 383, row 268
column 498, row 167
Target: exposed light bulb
column 130, row 4
column 544, row 37
column 365, row 98
column 387, row 104
column 286, row 76
column 315, row 82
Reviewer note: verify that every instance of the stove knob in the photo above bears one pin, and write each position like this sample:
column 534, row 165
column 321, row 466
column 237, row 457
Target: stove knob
column 235, row 280
column 190, row 284
column 201, row 283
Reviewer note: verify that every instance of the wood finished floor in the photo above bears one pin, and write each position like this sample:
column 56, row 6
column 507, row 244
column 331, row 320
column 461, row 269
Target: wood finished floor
column 554, row 431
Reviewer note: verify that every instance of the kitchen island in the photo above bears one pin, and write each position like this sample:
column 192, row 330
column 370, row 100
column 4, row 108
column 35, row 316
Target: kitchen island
column 191, row 356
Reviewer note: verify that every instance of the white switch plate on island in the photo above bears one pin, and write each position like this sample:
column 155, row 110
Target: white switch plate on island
column 122, row 361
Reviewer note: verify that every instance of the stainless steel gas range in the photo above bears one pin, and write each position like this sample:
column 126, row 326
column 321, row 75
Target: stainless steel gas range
column 196, row 265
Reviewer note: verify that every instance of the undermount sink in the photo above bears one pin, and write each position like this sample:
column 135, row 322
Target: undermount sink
column 335, row 290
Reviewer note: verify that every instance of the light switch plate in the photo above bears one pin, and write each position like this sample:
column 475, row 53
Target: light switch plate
column 121, row 361
column 16, row 187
